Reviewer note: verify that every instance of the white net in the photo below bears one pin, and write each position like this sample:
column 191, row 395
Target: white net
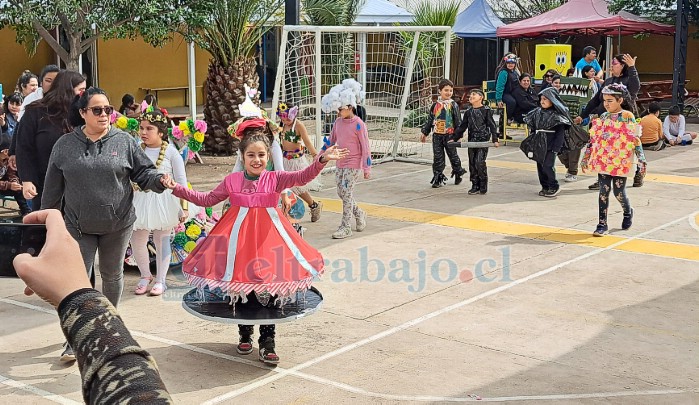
column 399, row 77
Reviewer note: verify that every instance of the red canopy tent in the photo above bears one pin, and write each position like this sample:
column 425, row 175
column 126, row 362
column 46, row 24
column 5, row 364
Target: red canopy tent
column 582, row 17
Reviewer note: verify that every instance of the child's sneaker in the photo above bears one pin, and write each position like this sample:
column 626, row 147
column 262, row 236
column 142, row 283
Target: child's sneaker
column 601, row 230
column 438, row 180
column 361, row 221
column 627, row 221
column 571, row 178
column 459, row 176
column 550, row 193
column 474, row 189
column 593, row 186
column 342, row 233
column 316, row 209
column 542, row 192
column 267, row 354
column 245, row 345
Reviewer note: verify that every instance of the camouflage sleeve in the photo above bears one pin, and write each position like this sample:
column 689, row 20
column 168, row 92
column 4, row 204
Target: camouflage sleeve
column 113, row 367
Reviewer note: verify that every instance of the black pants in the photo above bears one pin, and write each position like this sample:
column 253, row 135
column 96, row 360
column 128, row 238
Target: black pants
column 547, row 172
column 510, row 104
column 571, row 160
column 477, row 166
column 439, row 148
column 265, row 331
column 19, row 199
column 616, row 184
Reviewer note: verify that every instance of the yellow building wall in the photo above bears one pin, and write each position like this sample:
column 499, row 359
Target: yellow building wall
column 15, row 59
column 126, row 66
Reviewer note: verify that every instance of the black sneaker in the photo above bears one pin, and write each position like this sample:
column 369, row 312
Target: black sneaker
column 594, row 186
column 474, row 190
column 601, row 230
column 267, row 354
column 245, row 345
column 627, row 221
column 542, row 192
column 550, row 193
column 68, row 354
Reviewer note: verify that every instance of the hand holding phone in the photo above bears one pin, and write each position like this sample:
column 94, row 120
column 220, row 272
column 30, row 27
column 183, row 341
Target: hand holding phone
column 59, row 269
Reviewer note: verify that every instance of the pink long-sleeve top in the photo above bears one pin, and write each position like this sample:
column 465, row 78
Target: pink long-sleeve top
column 352, row 134
column 261, row 192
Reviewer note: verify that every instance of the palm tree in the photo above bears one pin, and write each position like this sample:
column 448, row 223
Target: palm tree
column 338, row 48
column 431, row 44
column 231, row 38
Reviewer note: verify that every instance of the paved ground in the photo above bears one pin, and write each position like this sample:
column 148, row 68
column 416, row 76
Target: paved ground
column 444, row 298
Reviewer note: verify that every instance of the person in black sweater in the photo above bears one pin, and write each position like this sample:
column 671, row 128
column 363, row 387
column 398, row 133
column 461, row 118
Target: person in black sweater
column 478, row 119
column 43, row 123
column 113, row 367
column 525, row 98
column 552, row 120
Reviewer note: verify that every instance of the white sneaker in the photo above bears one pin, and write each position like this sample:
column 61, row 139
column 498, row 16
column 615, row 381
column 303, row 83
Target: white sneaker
column 361, row 221
column 342, row 233
column 571, row 178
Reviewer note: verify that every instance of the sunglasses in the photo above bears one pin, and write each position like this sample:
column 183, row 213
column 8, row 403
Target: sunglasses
column 97, row 111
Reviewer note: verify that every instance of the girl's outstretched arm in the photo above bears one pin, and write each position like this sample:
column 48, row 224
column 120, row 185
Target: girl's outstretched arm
column 305, row 176
column 209, row 199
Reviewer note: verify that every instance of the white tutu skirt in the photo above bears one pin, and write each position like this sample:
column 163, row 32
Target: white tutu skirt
column 298, row 164
column 156, row 211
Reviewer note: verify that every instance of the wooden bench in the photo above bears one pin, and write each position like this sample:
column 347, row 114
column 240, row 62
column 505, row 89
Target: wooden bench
column 156, row 90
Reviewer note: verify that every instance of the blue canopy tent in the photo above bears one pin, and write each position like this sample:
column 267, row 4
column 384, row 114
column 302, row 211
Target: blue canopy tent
column 477, row 21
column 476, row 26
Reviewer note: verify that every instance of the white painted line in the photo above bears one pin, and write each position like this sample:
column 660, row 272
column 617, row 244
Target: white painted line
column 506, row 153
column 693, row 220
column 37, row 391
column 282, row 372
column 416, row 321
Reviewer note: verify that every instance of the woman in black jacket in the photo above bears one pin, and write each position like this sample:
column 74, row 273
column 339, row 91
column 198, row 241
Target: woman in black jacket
column 525, row 97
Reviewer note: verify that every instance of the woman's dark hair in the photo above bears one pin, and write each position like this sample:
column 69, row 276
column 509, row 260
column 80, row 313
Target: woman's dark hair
column 58, row 99
column 551, row 73
column 47, row 69
column 254, row 135
column 625, row 69
column 570, row 72
column 524, row 75
column 586, row 69
column 15, row 98
column 151, row 100
column 80, row 103
column 555, row 77
column 126, row 100
column 24, row 80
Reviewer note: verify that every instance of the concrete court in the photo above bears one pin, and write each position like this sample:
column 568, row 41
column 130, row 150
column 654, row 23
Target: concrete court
column 445, row 297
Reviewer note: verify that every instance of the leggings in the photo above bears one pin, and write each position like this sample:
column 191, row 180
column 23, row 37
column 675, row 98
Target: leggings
column 616, row 184
column 112, row 247
column 265, row 331
column 346, row 179
column 139, row 244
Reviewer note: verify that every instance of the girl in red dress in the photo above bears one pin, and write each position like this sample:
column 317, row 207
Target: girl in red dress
column 254, row 248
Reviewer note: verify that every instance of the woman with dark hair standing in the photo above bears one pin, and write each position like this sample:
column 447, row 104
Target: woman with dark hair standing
column 91, row 170
column 43, row 123
column 27, row 83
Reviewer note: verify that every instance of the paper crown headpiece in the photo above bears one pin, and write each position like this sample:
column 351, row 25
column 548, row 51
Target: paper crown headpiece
column 283, row 111
column 248, row 108
column 153, row 115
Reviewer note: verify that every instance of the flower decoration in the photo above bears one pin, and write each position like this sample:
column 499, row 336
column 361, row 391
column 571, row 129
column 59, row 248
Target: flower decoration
column 193, row 231
column 180, row 239
column 192, row 134
column 209, row 211
column 189, row 246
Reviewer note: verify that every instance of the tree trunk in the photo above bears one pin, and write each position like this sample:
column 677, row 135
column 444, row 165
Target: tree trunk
column 225, row 90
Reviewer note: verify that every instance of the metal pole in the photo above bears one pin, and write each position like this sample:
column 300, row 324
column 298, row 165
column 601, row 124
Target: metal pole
column 278, row 82
column 679, row 69
column 318, row 77
column 447, row 54
column 406, row 92
column 291, row 12
column 362, row 55
column 191, row 75
column 609, row 54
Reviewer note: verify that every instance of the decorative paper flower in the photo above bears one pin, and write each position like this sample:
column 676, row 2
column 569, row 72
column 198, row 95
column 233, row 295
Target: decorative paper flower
column 193, row 231
column 209, row 211
column 194, row 146
column 164, row 111
column 122, row 122
column 180, row 239
column 199, row 137
column 132, row 124
column 179, row 228
column 184, row 127
column 189, row 246
column 177, row 133
column 200, row 126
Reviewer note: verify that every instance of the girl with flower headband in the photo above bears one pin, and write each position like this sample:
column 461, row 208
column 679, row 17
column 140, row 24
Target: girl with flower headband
column 157, row 213
column 614, row 152
column 294, row 140
column 253, row 252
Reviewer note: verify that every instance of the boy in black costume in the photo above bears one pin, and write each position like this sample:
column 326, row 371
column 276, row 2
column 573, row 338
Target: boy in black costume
column 444, row 118
column 478, row 119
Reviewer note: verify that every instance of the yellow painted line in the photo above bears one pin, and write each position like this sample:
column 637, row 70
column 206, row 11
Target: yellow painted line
column 652, row 177
column 528, row 231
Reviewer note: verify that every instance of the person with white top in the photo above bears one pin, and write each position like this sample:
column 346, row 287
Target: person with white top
column 674, row 128
column 48, row 74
